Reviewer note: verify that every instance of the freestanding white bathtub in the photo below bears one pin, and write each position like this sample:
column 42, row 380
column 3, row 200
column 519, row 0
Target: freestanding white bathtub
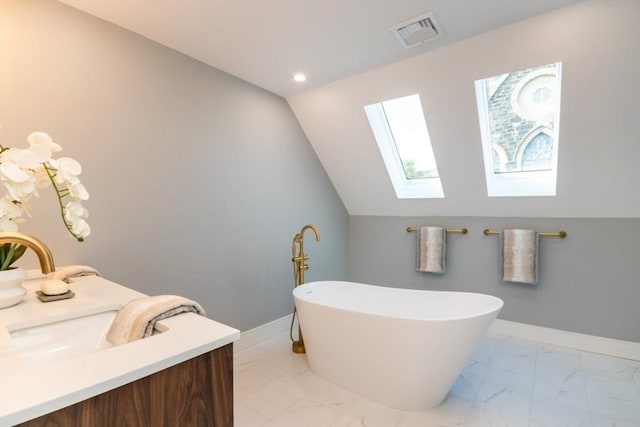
column 400, row 347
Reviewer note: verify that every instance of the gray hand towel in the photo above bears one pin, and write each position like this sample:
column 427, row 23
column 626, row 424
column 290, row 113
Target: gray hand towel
column 519, row 253
column 431, row 249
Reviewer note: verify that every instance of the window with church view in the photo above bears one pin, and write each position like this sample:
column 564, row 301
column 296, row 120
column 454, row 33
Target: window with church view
column 519, row 123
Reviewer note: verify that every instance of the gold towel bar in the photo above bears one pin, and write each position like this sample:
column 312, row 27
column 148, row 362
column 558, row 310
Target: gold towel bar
column 449, row 230
column 560, row 234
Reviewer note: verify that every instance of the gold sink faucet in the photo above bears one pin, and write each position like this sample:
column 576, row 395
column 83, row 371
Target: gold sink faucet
column 41, row 250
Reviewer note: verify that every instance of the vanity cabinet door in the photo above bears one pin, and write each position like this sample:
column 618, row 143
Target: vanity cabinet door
column 197, row 392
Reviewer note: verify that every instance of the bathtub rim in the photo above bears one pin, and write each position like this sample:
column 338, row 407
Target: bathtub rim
column 299, row 295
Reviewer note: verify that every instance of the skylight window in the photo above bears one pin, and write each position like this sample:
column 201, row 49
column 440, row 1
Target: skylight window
column 519, row 123
column 401, row 132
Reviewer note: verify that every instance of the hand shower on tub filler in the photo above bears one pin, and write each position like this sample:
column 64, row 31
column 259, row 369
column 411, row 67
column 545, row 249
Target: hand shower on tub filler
column 299, row 259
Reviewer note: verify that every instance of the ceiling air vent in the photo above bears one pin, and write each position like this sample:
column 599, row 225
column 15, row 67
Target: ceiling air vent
column 417, row 30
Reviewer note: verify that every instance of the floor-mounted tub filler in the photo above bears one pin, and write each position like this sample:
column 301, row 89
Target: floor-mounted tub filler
column 401, row 347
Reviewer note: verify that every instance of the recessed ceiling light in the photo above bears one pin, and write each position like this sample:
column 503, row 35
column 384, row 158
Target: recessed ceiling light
column 299, row 77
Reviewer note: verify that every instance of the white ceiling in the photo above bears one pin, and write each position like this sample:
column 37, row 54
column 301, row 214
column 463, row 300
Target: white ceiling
column 265, row 42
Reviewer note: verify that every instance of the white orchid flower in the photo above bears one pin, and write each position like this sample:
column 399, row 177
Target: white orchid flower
column 9, row 208
column 74, row 210
column 41, row 176
column 74, row 214
column 78, row 191
column 67, row 170
column 41, row 144
column 10, row 214
column 80, row 228
column 17, row 168
column 43, row 139
column 24, row 171
column 7, row 224
column 18, row 190
column 12, row 172
column 24, row 158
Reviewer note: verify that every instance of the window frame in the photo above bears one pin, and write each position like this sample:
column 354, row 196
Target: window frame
column 405, row 188
column 523, row 183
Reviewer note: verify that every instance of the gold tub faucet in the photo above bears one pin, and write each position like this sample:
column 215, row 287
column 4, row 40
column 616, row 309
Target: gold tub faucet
column 299, row 259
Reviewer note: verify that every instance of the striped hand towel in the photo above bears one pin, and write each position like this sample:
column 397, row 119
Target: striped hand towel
column 519, row 253
column 431, row 249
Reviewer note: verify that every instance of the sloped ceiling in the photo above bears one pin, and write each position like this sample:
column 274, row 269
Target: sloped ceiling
column 266, row 41
column 352, row 60
column 598, row 156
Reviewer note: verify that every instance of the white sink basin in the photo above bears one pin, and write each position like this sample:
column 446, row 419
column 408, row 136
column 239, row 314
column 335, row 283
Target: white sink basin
column 63, row 339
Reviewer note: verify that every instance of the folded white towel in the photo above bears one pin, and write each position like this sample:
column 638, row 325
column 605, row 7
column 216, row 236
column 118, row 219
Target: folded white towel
column 431, row 250
column 72, row 271
column 138, row 317
column 519, row 253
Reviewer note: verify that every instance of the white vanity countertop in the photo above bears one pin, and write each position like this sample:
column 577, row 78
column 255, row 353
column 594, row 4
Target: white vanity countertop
column 27, row 392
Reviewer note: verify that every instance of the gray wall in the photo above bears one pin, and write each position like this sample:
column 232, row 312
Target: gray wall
column 198, row 180
column 589, row 282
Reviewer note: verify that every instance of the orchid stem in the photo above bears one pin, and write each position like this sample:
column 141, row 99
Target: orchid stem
column 60, row 194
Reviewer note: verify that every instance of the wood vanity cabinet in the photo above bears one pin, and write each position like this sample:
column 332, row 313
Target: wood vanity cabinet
column 197, row 392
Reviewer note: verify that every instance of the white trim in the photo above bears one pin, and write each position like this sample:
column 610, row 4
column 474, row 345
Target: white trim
column 590, row 343
column 262, row 332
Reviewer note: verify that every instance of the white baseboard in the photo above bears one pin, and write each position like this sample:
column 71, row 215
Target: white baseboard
column 590, row 343
column 262, row 332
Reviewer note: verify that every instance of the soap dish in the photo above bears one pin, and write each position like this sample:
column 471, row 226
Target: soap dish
column 48, row 298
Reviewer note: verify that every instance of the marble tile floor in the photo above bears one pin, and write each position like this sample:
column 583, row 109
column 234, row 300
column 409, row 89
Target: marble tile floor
column 507, row 382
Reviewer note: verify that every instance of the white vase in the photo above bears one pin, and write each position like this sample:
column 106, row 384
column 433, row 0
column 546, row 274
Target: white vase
column 11, row 289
